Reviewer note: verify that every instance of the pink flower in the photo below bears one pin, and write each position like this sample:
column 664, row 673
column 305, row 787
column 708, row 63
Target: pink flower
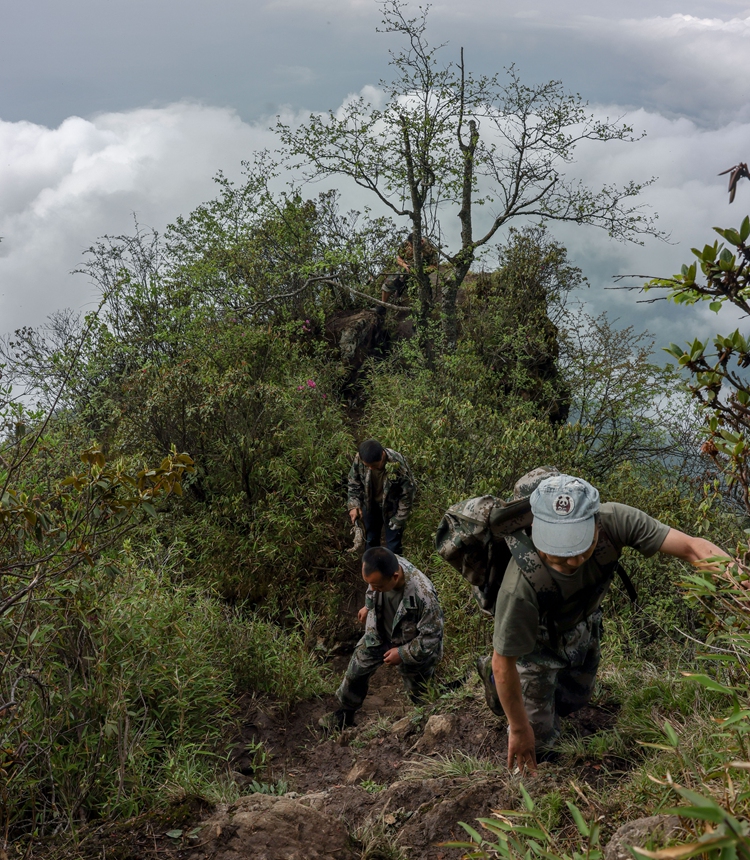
column 300, row 387
column 311, row 383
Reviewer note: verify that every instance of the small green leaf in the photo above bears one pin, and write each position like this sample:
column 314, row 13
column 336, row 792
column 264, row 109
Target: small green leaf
column 732, row 236
column 671, row 734
column 174, row 834
column 709, row 683
column 583, row 828
column 700, row 813
column 473, row 833
column 745, row 228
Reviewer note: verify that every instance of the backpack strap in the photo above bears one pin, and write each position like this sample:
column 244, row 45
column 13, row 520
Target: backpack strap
column 560, row 615
column 627, row 583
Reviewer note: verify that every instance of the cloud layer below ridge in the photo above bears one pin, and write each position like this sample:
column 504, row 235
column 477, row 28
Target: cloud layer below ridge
column 65, row 186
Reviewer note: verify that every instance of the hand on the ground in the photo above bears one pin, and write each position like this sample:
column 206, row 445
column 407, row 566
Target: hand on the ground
column 521, row 748
column 362, row 615
column 355, row 514
column 392, row 658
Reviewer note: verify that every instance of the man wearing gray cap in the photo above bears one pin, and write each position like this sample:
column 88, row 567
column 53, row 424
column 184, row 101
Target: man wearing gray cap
column 548, row 611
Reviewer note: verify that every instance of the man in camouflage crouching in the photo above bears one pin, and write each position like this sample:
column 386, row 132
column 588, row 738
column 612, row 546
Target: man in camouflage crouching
column 548, row 615
column 403, row 627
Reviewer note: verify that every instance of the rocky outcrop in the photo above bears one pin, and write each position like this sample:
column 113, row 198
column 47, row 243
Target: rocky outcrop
column 652, row 832
column 416, row 814
column 262, row 827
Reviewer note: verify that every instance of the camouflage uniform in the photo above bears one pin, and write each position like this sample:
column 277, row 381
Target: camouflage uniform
column 398, row 496
column 558, row 629
column 417, row 632
column 555, row 683
column 395, row 285
column 557, row 640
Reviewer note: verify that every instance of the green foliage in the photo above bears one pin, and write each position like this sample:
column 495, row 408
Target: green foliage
column 726, row 279
column 276, row 661
column 372, row 787
column 506, row 318
column 271, row 446
column 520, row 835
column 376, row 842
column 275, row 788
column 456, row 765
column 717, row 378
column 128, row 693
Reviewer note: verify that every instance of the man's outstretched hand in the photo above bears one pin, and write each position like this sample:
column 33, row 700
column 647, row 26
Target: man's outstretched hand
column 355, row 514
column 362, row 615
column 521, row 749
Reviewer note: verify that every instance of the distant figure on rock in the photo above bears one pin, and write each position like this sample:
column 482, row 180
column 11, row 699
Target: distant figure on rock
column 403, row 627
column 381, row 492
column 395, row 285
column 548, row 615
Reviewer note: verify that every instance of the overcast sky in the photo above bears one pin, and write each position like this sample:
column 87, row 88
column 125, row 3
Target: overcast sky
column 109, row 109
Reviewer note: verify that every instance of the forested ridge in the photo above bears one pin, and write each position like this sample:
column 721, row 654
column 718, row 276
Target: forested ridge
column 176, row 588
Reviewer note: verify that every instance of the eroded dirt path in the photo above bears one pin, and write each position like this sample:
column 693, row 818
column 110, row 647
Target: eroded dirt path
column 411, row 773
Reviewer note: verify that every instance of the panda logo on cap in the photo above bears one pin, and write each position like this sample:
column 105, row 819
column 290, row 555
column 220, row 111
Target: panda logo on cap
column 563, row 505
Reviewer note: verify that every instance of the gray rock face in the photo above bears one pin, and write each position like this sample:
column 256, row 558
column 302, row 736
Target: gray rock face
column 652, row 832
column 262, row 827
column 438, row 727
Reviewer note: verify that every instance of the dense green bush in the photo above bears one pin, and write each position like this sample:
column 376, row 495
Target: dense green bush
column 129, row 688
column 260, row 411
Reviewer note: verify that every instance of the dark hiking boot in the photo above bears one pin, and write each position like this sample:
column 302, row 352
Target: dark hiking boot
column 484, row 667
column 337, row 720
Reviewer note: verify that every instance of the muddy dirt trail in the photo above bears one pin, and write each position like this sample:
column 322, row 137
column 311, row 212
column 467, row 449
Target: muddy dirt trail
column 401, row 778
column 409, row 774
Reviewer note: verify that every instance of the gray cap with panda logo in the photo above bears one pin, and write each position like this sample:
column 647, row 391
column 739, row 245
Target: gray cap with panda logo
column 564, row 509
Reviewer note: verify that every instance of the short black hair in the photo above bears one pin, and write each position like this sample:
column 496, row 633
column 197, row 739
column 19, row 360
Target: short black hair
column 370, row 451
column 379, row 559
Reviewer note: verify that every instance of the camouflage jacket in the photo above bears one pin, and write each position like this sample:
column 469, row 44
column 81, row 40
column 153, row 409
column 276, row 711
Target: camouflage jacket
column 418, row 623
column 398, row 488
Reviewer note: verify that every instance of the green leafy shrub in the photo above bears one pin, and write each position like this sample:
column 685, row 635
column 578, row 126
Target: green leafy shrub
column 134, row 679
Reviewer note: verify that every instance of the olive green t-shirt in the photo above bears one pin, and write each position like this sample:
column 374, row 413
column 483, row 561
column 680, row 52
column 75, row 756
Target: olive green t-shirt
column 377, row 479
column 391, row 603
column 517, row 608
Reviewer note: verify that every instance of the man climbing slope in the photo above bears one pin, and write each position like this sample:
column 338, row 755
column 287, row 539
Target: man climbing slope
column 381, row 491
column 548, row 611
column 403, row 627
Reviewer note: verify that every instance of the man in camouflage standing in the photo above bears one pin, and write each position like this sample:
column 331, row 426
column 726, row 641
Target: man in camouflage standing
column 380, row 491
column 548, row 611
column 396, row 285
column 403, row 627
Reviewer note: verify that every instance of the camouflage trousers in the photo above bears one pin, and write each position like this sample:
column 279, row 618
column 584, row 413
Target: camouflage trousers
column 556, row 682
column 363, row 665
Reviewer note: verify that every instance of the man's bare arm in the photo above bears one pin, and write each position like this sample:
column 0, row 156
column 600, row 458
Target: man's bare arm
column 521, row 735
column 691, row 549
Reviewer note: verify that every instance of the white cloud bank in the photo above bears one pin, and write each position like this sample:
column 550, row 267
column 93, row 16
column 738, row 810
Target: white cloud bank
column 64, row 187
